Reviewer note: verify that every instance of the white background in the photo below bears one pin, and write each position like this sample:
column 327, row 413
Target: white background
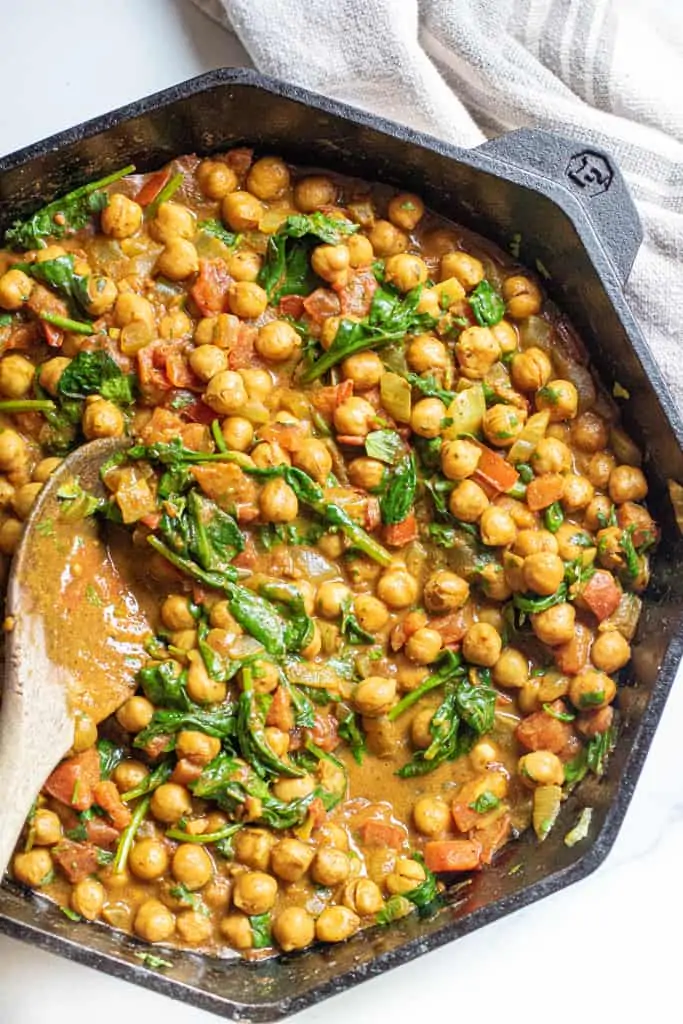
column 606, row 950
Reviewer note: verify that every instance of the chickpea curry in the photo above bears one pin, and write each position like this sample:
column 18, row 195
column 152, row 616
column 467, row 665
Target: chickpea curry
column 395, row 532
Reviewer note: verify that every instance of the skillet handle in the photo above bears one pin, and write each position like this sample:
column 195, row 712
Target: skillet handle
column 590, row 175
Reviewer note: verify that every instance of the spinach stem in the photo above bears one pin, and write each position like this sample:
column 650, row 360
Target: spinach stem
column 128, row 835
column 27, row 405
column 67, row 324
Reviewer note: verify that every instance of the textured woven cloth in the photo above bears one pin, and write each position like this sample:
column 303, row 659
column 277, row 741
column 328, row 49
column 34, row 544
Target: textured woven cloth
column 604, row 71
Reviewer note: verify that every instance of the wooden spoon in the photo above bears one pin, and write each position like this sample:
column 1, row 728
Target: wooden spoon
column 74, row 641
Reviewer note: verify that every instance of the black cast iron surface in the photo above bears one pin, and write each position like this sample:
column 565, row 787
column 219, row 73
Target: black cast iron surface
column 566, row 206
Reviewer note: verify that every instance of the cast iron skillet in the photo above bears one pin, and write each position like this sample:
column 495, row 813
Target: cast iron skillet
column 578, row 225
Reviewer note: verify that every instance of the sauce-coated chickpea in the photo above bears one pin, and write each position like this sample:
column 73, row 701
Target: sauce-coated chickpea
column 365, row 369
column 543, row 572
column 445, row 591
column 331, row 262
column 361, row 253
column 46, row 828
column 363, row 896
column 254, row 892
column 238, row 433
column 468, row 269
column 226, row 393
column 10, row 535
column 268, row 178
column 135, row 714
column 405, row 210
column 87, row 898
column 426, row 354
column 121, row 217
column 512, row 669
column 610, row 651
column 267, row 454
column 531, row 369
column 293, row 928
column 16, row 376
column 176, row 614
column 336, row 924
column 397, row 587
column 476, row 351
column 207, row 361
column 248, row 300
column 129, row 309
column 170, row 803
column 459, row 459
column 313, row 456
column 194, row 927
column 290, row 859
column 497, row 527
column 505, row 334
column 178, row 260
column 242, row 211
column 522, row 296
column 15, row 289
column 405, row 271
column 427, row 417
column 265, row 676
column 172, row 221
column 191, row 866
column 216, row 179
column 293, row 789
column 372, row 614
column 423, row 646
column 386, row 239
column 551, row 456
column 591, row 689
column 366, row 473
column 32, row 868
column 24, row 498
column 627, row 483
column 555, row 625
column 148, row 859
column 600, row 468
column 375, row 696
column 481, row 645
column 102, row 418
column 313, row 192
column 129, row 774
column 354, row 417
column 154, row 922
column 175, row 324
column 13, row 452
column 407, row 874
column 197, row 746
column 236, row 930
column 252, row 848
column 542, row 767
column 245, row 265
column 431, row 816
column 277, row 341
column 101, row 294
column 277, row 502
column 589, row 432
column 468, row 501
column 503, row 424
column 598, row 512
column 577, row 492
column 331, row 598
column 331, row 866
column 560, row 398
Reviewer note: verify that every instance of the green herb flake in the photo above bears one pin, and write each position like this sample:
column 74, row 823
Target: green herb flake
column 487, row 305
column 484, row 803
column 156, row 963
column 580, row 830
column 71, row 914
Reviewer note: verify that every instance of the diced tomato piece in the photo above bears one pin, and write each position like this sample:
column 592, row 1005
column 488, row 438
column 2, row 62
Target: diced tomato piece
column 571, row 656
column 544, row 490
column 157, row 746
column 350, row 440
column 453, row 626
column 73, row 781
column 163, row 426
column 185, row 772
column 54, row 336
column 280, row 711
column 76, row 860
column 593, row 723
column 210, row 290
column 199, row 412
column 100, row 833
column 636, row 518
column 153, row 186
column 321, row 304
column 372, row 516
column 178, row 370
column 398, row 534
column 540, row 731
column 107, row 797
column 225, row 483
column 291, row 305
column 239, row 160
column 465, row 817
column 381, row 833
column 324, row 732
column 289, row 436
column 355, row 298
column 327, row 399
column 152, row 366
column 247, row 559
column 443, row 855
column 242, row 355
column 493, row 837
column 317, row 815
column 601, row 594
column 493, row 472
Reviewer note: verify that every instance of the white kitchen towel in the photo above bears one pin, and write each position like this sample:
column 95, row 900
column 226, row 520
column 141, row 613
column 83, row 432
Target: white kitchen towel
column 605, row 71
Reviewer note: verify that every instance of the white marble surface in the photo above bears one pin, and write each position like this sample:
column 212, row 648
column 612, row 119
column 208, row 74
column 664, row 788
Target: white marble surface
column 605, row 950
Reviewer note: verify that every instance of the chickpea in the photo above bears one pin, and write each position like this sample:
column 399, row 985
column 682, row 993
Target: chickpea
column 121, row 217
column 176, row 614
column 468, row 501
column 129, row 774
column 503, row 424
column 522, row 296
column 407, row 874
column 172, row 221
column 551, row 456
column 268, row 178
column 597, row 513
column 102, row 418
column 591, row 689
column 245, row 265
column 154, row 922
column 610, row 651
column 361, row 253
column 331, row 598
column 148, row 859
column 15, row 289
column 375, row 696
column 238, row 433
column 468, row 269
column 543, row 572
column 207, row 361
column 405, row 271
column 313, row 456
column 328, row 331
column 236, row 930
column 530, row 370
column 44, row 469
column 476, row 351
column 397, row 588
column 336, row 924
column 426, row 354
column 386, row 239
column 248, row 301
column 265, row 676
column 555, row 625
column 24, row 498
column 290, row 859
column 365, row 370
column 277, row 502
column 277, row 341
column 511, row 670
column 178, row 260
column 50, row 372
column 170, row 803
column 293, row 928
column 506, row 335
column 10, row 536
column 420, row 734
column 175, row 324
column 293, row 789
column 482, row 645
column 363, row 896
column 423, row 646
column 197, row 746
column 267, row 454
column 194, row 927
column 331, row 866
column 542, row 767
column 101, row 294
column 129, row 309
column 87, row 898
column 252, row 847
column 366, row 473
column 560, row 398
column 226, row 393
column 216, row 179
column 191, row 866
column 406, row 210
column 497, row 527
column 254, row 892
column 431, row 816
column 135, row 714
column 600, row 469
column 242, row 211
column 627, row 483
column 577, row 493
column 493, row 582
column 354, row 417
column 427, row 417
column 589, row 432
column 32, row 868
column 459, row 459
column 314, row 192
column 46, row 828
column 445, row 591
column 16, row 376
column 331, row 262
column 372, row 614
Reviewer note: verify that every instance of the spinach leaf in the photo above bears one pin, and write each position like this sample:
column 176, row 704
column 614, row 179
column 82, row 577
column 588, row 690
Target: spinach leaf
column 384, row 445
column 217, row 538
column 110, row 756
column 92, row 373
column 63, row 216
column 476, row 705
column 399, row 495
column 251, row 736
column 219, row 722
column 428, row 387
column 349, row 729
column 165, row 684
column 425, row 895
column 485, row 802
column 351, row 628
column 486, row 304
column 215, row 229
column 260, row 931
column 286, row 269
column 531, row 603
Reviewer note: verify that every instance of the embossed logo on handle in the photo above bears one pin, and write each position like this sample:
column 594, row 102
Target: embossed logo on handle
column 590, row 172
